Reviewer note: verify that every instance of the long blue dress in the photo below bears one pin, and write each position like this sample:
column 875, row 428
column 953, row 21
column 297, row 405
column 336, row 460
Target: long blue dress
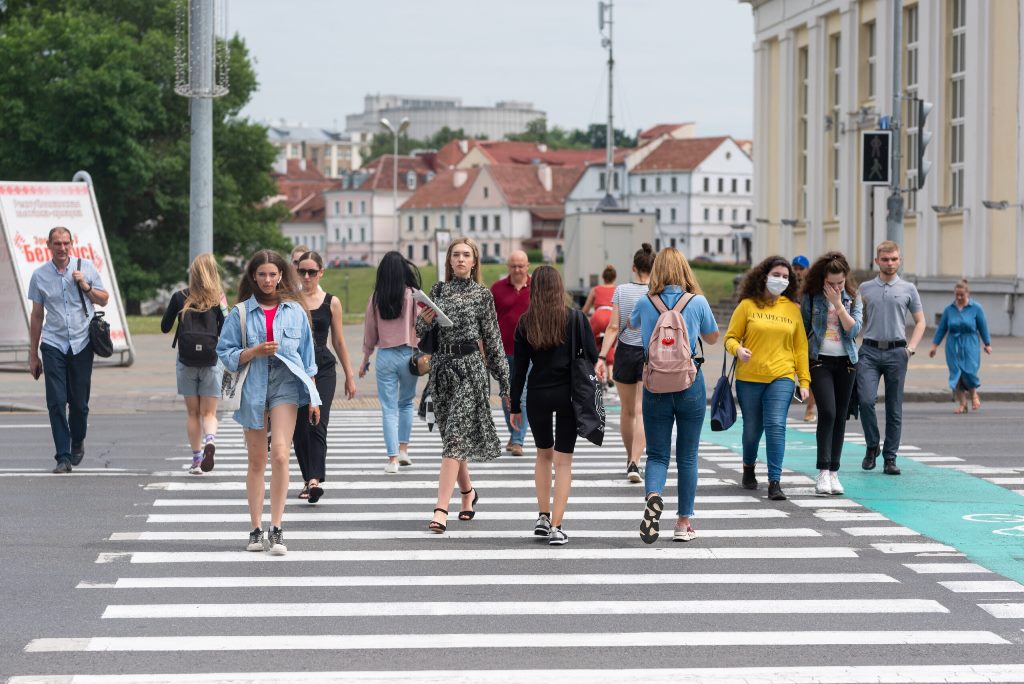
column 965, row 329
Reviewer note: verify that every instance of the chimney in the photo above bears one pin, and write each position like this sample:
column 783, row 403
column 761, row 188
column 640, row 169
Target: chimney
column 542, row 147
column 459, row 178
column 302, row 164
column 464, row 146
column 544, row 176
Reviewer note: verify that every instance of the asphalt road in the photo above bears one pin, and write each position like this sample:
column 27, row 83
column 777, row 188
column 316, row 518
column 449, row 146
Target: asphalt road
column 825, row 583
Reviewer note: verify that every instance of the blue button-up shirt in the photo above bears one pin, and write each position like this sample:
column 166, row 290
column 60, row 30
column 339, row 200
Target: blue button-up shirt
column 66, row 323
column 294, row 349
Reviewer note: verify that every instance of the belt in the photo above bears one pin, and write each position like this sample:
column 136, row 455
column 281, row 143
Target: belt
column 604, row 308
column 460, row 349
column 885, row 345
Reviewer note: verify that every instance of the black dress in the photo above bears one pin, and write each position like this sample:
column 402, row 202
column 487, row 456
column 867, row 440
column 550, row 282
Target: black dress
column 310, row 441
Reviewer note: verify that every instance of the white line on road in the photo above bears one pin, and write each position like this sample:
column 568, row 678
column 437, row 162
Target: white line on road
column 911, row 547
column 427, row 501
column 196, row 484
column 985, row 587
column 891, row 531
column 1012, row 611
column 525, row 516
column 947, row 568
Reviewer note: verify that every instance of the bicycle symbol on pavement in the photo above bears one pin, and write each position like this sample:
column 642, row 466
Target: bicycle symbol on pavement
column 999, row 519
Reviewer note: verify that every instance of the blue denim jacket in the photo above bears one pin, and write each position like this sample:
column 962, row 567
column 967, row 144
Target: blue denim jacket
column 295, row 350
column 815, row 314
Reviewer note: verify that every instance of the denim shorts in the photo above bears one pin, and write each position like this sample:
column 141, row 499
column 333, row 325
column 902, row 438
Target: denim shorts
column 282, row 386
column 203, row 381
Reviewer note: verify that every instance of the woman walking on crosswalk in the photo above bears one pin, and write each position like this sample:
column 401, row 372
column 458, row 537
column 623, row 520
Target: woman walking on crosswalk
column 278, row 352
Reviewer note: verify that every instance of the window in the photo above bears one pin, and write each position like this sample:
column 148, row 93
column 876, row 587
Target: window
column 707, row 185
column 337, row 234
column 675, row 184
column 672, row 242
column 426, row 252
column 748, row 215
column 734, row 186
column 910, row 30
column 348, row 208
column 483, row 249
column 487, row 192
column 870, row 38
column 497, row 223
column 721, row 215
column 735, row 215
column 747, row 185
column 472, row 222
column 409, row 228
column 426, row 223
column 657, row 184
column 957, row 103
column 721, row 185
column 497, row 248
column 362, row 233
column 657, row 215
column 362, row 207
column 672, row 214
column 835, row 54
column 643, row 185
column 443, row 217
column 657, row 244
column 707, row 214
column 707, row 245
column 721, row 245
column 337, row 208
column 350, row 231
column 601, row 181
column 615, row 180
column 458, row 221
column 410, row 180
column 483, row 222
column 408, row 251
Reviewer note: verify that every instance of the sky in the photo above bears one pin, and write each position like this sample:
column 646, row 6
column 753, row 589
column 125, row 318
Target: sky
column 676, row 60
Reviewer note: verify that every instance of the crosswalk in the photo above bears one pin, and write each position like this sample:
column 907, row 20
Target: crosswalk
column 812, row 589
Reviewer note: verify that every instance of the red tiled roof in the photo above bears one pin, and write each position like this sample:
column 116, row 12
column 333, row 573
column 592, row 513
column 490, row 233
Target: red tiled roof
column 441, row 192
column 658, row 131
column 310, row 209
column 679, row 155
column 521, row 186
column 296, row 173
column 381, row 172
column 451, row 154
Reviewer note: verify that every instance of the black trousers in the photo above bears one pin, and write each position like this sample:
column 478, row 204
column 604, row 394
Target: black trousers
column 310, row 441
column 547, row 408
column 832, row 380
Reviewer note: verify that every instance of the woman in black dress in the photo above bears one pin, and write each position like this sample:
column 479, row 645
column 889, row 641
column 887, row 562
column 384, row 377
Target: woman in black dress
column 310, row 441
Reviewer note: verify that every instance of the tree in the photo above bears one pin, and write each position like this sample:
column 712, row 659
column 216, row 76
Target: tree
column 90, row 85
column 558, row 138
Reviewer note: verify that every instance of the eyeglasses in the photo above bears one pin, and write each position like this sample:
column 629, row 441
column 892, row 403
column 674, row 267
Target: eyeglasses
column 307, row 272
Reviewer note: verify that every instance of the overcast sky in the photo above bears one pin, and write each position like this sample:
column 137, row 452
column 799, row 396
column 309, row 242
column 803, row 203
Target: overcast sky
column 676, row 60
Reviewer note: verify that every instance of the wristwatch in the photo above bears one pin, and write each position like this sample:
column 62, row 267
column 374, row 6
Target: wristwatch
column 602, row 358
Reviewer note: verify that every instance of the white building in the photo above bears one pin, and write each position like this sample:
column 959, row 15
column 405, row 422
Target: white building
column 330, row 152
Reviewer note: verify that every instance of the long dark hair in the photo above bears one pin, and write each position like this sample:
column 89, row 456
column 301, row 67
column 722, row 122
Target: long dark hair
column 287, row 287
column 643, row 259
column 833, row 263
column 754, row 282
column 394, row 274
column 545, row 321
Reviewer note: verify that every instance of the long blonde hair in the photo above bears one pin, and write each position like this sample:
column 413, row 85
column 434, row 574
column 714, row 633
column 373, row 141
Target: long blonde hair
column 475, row 272
column 672, row 268
column 204, row 288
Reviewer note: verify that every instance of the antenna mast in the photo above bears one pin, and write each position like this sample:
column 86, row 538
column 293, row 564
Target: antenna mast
column 604, row 19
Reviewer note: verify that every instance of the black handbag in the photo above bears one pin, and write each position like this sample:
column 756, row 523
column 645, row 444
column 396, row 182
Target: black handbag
column 723, row 405
column 586, row 389
column 99, row 329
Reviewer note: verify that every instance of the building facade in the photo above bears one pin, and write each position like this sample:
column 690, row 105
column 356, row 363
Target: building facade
column 331, row 152
column 824, row 74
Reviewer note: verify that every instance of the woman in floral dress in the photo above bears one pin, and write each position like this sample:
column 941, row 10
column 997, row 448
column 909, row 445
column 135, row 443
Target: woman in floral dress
column 458, row 376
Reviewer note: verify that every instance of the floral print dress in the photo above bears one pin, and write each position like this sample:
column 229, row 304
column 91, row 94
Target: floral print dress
column 459, row 384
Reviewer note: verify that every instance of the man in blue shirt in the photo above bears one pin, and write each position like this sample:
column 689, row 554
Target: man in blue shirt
column 60, row 319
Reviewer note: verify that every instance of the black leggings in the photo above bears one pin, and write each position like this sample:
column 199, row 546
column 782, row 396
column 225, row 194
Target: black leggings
column 832, row 379
column 541, row 403
column 310, row 441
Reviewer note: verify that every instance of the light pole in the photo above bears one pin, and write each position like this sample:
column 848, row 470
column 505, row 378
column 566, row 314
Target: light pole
column 404, row 124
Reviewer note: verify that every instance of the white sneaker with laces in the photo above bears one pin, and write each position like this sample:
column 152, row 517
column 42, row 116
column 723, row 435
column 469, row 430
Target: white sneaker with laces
column 404, row 460
column 391, row 467
column 684, row 534
column 823, row 484
column 833, row 477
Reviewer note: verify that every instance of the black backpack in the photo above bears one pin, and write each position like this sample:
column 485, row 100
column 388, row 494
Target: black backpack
column 198, row 333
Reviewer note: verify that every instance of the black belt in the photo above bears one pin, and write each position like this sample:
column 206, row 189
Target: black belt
column 885, row 345
column 460, row 349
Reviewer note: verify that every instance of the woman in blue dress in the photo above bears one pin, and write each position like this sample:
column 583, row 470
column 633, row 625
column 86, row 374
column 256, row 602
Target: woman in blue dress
column 964, row 323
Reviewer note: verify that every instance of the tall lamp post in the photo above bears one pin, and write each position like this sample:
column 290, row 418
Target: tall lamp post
column 403, row 124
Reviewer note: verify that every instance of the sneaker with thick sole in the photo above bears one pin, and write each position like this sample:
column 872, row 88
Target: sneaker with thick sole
column 775, row 492
column 77, row 453
column 633, row 473
column 257, row 542
column 837, row 487
column 823, row 484
column 749, row 477
column 684, row 534
column 62, row 468
column 207, row 463
column 404, row 460
column 557, row 537
column 649, row 526
column 391, row 467
column 196, row 467
column 275, row 542
column 542, row 528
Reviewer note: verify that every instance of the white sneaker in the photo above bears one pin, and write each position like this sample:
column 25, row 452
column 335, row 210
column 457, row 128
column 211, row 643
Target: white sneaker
column 833, row 477
column 404, row 460
column 823, row 485
column 391, row 467
column 684, row 534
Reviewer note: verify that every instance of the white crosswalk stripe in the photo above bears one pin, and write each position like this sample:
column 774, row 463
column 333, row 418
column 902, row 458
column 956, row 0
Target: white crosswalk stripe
column 365, row 593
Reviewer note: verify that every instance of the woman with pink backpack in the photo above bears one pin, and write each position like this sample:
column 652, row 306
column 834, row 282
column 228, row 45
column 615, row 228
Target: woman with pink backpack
column 672, row 319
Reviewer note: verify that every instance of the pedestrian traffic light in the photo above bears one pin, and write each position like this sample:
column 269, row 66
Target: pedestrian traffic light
column 923, row 138
column 874, row 157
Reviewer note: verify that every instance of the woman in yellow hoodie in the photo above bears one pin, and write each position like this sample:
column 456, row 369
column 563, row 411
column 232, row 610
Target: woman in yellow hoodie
column 767, row 335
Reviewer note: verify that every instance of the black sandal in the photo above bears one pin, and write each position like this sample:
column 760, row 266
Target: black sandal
column 315, row 492
column 468, row 515
column 649, row 527
column 436, row 527
column 304, row 494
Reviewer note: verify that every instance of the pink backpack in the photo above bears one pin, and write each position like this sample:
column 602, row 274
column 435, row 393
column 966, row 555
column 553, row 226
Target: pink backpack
column 670, row 364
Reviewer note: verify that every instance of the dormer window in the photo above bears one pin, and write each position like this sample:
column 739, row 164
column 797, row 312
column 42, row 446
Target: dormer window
column 486, row 192
column 410, row 180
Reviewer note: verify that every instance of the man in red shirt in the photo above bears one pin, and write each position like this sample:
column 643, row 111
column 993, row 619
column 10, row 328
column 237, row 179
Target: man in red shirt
column 511, row 300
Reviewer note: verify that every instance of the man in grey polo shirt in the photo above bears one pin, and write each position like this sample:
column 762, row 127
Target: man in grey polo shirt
column 61, row 320
column 885, row 352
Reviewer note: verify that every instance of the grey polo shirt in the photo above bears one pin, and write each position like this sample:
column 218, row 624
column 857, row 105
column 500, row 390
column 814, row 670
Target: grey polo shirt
column 886, row 306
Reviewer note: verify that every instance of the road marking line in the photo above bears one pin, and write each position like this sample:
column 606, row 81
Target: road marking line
column 985, row 587
column 196, row 483
column 1011, row 611
column 831, row 502
column 293, row 534
column 841, row 516
column 911, row 547
column 524, row 516
column 427, row 501
column 881, row 531
column 947, row 568
column 1006, row 480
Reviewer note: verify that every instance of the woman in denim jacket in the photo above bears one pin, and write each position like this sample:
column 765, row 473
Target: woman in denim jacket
column 279, row 351
column 833, row 314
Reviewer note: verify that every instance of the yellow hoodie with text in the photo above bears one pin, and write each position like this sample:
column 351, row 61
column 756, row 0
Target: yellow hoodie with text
column 775, row 335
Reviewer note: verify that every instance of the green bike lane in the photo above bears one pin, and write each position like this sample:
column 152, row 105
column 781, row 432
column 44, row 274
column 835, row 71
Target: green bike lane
column 978, row 518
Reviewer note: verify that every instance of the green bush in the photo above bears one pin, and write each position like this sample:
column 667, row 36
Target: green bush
column 535, row 256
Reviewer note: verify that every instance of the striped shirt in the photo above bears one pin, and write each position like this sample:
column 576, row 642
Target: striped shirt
column 626, row 296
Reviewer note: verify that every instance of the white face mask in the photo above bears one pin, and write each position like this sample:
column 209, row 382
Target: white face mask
column 777, row 285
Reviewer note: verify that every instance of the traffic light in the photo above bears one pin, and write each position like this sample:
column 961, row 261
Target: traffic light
column 923, row 138
column 874, row 157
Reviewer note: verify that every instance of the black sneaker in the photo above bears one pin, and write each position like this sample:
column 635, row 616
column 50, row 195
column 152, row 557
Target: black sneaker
column 749, row 477
column 775, row 492
column 633, row 473
column 275, row 542
column 890, row 467
column 543, row 526
column 77, row 453
column 63, row 467
column 870, row 455
column 256, row 540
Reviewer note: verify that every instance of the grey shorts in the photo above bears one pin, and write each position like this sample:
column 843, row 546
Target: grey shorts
column 282, row 386
column 203, row 381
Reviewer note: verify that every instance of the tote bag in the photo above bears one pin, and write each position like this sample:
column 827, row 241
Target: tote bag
column 723, row 405
column 587, row 395
column 232, row 381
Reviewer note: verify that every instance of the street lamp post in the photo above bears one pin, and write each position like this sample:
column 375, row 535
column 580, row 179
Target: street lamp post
column 404, row 124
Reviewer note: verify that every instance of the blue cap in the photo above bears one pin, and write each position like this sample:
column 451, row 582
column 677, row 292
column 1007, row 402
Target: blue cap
column 801, row 261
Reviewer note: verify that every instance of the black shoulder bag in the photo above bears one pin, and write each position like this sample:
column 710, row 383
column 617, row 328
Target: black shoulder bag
column 99, row 329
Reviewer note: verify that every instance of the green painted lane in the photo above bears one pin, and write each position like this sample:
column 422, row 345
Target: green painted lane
column 977, row 518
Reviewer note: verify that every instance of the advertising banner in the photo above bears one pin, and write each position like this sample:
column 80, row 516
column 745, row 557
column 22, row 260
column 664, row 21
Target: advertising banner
column 28, row 211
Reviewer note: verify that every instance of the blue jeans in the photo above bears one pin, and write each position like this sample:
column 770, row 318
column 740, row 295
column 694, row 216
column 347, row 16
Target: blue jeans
column 765, row 406
column 396, row 390
column 68, row 382
column 875, row 364
column 684, row 410
column 517, row 436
